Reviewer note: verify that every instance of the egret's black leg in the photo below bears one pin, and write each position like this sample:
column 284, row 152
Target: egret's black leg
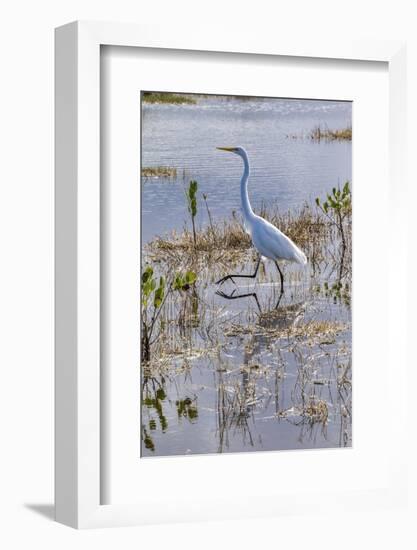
column 281, row 277
column 223, row 279
column 234, row 296
column 279, row 299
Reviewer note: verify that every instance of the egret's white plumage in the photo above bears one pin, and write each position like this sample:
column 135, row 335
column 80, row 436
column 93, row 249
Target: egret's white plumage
column 269, row 241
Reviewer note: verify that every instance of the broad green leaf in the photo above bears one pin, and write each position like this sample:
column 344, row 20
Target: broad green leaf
column 159, row 293
column 190, row 277
column 147, row 274
column 178, row 282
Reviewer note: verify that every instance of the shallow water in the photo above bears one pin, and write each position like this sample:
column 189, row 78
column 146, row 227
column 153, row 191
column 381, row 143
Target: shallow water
column 235, row 377
column 283, row 168
column 247, row 391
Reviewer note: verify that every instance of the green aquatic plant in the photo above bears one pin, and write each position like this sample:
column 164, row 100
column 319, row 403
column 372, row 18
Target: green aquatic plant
column 153, row 401
column 338, row 291
column 187, row 408
column 337, row 208
column 149, row 286
column 153, row 398
column 147, row 440
column 153, row 297
column 191, row 194
column 155, row 292
column 183, row 282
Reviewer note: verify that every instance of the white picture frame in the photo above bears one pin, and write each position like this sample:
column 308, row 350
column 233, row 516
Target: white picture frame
column 78, row 411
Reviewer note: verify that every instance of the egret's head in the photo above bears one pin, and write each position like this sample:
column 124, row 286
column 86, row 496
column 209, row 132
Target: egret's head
column 236, row 150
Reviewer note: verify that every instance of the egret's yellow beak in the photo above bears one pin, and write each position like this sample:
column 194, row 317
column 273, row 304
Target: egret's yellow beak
column 229, row 149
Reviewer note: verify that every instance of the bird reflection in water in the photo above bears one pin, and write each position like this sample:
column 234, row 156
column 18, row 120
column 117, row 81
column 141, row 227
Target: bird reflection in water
column 234, row 296
column 236, row 405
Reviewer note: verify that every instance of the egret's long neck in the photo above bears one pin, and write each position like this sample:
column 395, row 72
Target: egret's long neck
column 248, row 213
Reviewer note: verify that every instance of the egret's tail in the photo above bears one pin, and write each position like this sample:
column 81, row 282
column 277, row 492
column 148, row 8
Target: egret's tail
column 300, row 257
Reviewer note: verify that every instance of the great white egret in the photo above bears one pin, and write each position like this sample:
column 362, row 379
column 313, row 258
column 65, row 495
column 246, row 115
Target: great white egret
column 268, row 240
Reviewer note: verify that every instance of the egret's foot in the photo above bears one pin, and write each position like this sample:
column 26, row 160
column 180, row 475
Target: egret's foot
column 223, row 279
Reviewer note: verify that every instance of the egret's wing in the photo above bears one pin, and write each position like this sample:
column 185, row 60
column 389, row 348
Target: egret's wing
column 272, row 243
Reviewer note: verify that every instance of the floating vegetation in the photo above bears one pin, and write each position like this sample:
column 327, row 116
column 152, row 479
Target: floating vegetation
column 167, row 97
column 159, row 172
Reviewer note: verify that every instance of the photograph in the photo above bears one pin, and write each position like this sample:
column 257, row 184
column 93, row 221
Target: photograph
column 246, row 273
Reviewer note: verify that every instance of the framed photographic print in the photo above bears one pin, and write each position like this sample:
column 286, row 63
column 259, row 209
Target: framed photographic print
column 220, row 207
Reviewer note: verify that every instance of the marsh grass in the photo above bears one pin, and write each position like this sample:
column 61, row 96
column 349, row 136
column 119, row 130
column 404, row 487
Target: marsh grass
column 315, row 331
column 167, row 97
column 324, row 133
column 159, row 172
column 227, row 240
column 224, row 245
column 246, row 390
column 317, row 410
column 249, row 356
column 319, row 133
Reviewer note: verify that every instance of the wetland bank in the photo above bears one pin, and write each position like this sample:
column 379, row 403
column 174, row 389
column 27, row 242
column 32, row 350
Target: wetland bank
column 238, row 367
